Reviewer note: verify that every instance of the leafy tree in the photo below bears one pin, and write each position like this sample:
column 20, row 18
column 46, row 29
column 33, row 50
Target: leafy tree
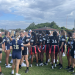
column 47, row 24
column 32, row 24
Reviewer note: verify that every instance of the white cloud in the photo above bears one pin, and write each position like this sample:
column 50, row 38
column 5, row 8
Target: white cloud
column 13, row 24
column 39, row 11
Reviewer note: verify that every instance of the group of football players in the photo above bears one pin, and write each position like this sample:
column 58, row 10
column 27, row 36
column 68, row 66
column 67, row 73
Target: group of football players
column 33, row 45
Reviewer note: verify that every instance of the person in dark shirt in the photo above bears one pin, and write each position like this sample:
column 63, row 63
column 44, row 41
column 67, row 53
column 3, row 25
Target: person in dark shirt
column 54, row 48
column 6, row 44
column 1, row 48
column 73, row 53
column 42, row 48
column 39, row 44
column 69, row 35
column 34, row 49
column 13, row 37
column 25, row 51
column 61, row 46
column 17, row 46
column 47, row 46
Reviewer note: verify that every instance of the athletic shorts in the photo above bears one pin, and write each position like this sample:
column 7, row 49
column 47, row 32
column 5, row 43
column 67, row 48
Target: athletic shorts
column 7, row 47
column 56, row 49
column 68, row 51
column 16, row 55
column 34, row 50
column 73, row 53
column 47, row 47
column 25, row 51
column 62, row 50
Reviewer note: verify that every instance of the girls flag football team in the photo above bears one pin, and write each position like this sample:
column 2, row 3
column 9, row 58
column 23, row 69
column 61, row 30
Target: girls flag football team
column 28, row 46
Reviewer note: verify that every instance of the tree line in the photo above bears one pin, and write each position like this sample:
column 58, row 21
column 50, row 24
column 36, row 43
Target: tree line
column 41, row 25
column 47, row 24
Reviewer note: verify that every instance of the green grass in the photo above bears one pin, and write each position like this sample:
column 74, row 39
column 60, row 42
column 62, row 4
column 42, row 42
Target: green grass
column 45, row 70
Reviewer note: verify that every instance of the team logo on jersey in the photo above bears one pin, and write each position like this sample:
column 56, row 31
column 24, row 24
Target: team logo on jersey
column 44, row 39
column 27, row 40
column 32, row 40
column 63, row 39
column 48, row 40
column 40, row 39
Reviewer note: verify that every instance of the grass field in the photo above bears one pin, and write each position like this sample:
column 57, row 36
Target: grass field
column 45, row 70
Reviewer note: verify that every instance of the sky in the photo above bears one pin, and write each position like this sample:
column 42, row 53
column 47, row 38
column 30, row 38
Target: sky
column 21, row 13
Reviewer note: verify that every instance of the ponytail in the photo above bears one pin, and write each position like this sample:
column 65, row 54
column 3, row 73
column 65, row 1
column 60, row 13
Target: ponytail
column 35, row 37
column 63, row 33
column 16, row 41
column 16, row 36
column 55, row 34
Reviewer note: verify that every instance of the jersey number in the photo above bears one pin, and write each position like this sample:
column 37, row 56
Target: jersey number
column 16, row 46
column 54, row 41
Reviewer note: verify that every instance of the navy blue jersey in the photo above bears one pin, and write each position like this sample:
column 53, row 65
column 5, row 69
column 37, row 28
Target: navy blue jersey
column 47, row 39
column 24, row 39
column 6, row 40
column 62, row 39
column 16, row 47
column 13, row 37
column 54, row 40
column 32, row 41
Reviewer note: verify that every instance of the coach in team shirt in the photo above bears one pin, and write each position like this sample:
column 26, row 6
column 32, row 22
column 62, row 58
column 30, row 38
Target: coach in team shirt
column 6, row 44
column 25, row 51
